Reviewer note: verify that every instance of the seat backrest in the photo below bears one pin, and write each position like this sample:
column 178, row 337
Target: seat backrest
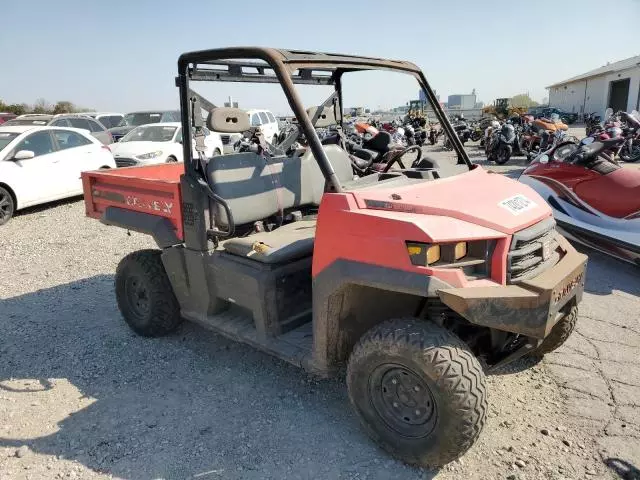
column 256, row 187
column 379, row 142
column 228, row 120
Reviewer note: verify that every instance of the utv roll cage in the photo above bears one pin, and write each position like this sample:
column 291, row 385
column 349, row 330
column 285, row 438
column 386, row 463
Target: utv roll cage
column 287, row 67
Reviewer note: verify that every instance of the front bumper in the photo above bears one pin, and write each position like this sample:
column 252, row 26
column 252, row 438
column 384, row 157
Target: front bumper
column 530, row 308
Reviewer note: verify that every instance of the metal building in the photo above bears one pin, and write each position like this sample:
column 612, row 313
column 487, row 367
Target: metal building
column 462, row 102
column 615, row 85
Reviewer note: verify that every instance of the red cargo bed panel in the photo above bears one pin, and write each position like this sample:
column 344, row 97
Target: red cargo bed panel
column 152, row 189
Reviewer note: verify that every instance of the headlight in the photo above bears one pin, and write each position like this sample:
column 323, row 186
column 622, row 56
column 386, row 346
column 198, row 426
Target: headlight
column 473, row 257
column 147, row 156
column 460, row 250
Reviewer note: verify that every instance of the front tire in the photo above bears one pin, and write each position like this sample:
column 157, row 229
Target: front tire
column 419, row 391
column 7, row 205
column 504, row 154
column 632, row 156
column 559, row 334
column 172, row 159
column 145, row 296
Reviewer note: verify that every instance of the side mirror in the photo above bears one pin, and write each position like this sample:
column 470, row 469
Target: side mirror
column 24, row 155
column 543, row 159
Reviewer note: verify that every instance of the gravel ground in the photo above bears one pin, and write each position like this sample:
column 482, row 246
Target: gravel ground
column 82, row 397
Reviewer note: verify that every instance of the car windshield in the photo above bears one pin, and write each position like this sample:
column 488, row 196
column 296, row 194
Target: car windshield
column 140, row 118
column 6, row 138
column 26, row 121
column 155, row 133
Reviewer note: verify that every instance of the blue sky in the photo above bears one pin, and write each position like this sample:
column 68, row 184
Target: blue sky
column 120, row 55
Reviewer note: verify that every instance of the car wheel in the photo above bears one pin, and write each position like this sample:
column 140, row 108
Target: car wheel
column 172, row 159
column 216, row 152
column 7, row 205
column 145, row 296
column 419, row 391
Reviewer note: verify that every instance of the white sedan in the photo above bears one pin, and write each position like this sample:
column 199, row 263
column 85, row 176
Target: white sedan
column 158, row 143
column 43, row 164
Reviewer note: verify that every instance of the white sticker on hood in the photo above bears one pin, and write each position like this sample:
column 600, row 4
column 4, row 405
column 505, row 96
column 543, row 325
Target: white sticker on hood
column 518, row 204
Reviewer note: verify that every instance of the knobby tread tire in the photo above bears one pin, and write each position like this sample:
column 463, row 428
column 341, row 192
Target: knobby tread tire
column 559, row 334
column 439, row 355
column 164, row 314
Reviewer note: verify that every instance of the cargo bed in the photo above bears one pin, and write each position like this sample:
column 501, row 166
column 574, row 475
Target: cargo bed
column 152, row 190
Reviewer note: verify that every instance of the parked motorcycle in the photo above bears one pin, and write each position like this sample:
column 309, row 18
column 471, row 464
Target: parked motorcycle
column 630, row 150
column 434, row 133
column 592, row 123
column 537, row 135
column 501, row 144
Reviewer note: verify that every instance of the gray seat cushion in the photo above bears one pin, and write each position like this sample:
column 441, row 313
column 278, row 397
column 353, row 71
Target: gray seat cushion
column 286, row 243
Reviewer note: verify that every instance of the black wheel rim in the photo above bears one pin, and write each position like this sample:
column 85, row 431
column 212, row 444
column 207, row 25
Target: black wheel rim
column 403, row 400
column 137, row 296
column 6, row 206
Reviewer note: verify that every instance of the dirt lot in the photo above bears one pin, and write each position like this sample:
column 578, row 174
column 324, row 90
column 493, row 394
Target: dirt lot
column 82, row 397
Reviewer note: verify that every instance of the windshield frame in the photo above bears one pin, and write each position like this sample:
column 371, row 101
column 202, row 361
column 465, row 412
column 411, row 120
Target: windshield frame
column 288, row 67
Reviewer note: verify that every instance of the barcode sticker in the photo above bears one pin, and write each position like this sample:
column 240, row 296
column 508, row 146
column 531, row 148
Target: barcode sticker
column 517, row 204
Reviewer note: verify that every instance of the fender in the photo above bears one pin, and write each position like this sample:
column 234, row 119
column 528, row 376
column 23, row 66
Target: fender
column 159, row 228
column 350, row 297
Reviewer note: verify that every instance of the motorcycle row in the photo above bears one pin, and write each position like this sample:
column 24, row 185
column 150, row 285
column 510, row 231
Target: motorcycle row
column 377, row 145
column 524, row 135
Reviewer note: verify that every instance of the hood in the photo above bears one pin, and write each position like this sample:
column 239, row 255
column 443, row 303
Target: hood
column 479, row 197
column 120, row 130
column 131, row 149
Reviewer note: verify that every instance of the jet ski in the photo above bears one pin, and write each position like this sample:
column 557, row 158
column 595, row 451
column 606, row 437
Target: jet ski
column 595, row 201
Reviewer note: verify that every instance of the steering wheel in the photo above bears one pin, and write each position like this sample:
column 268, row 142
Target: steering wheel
column 397, row 158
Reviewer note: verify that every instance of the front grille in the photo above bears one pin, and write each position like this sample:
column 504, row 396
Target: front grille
column 532, row 251
column 126, row 162
column 225, row 139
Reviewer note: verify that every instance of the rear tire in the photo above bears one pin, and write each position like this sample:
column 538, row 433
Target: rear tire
column 559, row 334
column 7, row 205
column 419, row 391
column 172, row 159
column 145, row 296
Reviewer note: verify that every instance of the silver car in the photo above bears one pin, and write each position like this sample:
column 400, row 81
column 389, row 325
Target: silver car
column 108, row 119
column 74, row 120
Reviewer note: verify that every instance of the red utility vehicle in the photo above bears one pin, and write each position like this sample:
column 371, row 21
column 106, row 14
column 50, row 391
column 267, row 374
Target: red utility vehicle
column 407, row 276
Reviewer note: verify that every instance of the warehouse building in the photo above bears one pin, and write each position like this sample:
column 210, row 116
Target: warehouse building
column 615, row 85
column 462, row 102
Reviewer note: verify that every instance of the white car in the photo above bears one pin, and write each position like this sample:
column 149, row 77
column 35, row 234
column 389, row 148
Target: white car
column 43, row 164
column 259, row 118
column 158, row 143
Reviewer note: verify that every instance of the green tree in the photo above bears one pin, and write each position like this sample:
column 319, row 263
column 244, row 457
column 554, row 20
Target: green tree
column 522, row 100
column 17, row 108
column 64, row 106
column 42, row 106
